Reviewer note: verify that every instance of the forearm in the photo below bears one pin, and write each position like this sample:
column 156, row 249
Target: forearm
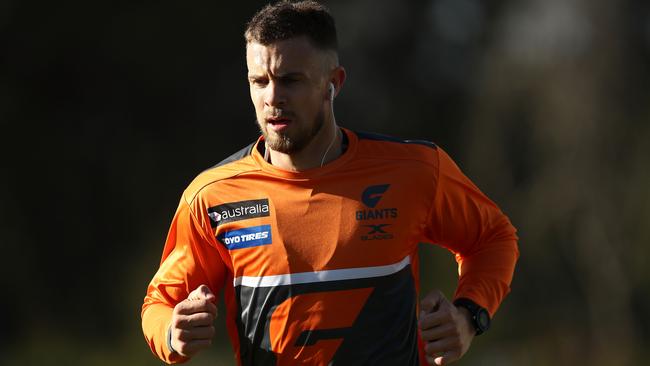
column 486, row 274
column 155, row 323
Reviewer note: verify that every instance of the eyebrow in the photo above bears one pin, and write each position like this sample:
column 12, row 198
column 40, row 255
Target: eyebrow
column 291, row 74
column 279, row 76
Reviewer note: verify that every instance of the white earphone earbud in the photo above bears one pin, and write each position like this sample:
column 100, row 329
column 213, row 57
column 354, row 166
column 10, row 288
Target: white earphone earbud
column 332, row 90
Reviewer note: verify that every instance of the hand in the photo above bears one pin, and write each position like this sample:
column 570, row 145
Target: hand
column 446, row 330
column 192, row 325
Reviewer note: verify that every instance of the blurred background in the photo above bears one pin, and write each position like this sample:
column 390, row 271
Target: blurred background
column 108, row 109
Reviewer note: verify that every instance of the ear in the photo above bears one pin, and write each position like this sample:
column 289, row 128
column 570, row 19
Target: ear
column 337, row 80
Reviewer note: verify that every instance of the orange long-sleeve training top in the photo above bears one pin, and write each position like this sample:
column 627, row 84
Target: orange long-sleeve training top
column 320, row 267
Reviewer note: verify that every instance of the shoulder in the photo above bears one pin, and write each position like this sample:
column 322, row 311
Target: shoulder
column 238, row 163
column 378, row 137
column 386, row 147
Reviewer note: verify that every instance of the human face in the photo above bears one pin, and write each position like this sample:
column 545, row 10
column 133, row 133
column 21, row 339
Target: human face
column 288, row 88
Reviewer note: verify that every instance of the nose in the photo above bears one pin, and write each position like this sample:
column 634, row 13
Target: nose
column 274, row 96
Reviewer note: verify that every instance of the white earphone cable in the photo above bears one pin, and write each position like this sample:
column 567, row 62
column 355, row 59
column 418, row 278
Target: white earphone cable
column 329, row 147
column 336, row 130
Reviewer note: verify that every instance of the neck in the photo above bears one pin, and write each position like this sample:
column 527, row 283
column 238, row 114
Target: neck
column 324, row 148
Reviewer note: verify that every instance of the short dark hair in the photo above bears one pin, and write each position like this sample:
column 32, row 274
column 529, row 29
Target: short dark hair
column 288, row 19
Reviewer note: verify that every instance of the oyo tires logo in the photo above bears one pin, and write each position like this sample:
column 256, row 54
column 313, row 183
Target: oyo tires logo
column 372, row 195
column 247, row 237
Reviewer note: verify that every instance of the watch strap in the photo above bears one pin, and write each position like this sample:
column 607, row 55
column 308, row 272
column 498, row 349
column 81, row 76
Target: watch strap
column 480, row 316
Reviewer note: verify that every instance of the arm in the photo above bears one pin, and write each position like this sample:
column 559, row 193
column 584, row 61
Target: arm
column 188, row 261
column 463, row 220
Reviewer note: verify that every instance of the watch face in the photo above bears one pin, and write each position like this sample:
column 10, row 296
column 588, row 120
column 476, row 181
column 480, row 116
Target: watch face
column 483, row 320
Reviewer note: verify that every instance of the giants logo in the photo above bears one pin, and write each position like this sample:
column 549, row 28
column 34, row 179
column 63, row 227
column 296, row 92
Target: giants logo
column 371, row 197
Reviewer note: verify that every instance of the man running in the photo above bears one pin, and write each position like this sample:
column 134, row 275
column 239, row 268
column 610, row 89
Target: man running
column 312, row 230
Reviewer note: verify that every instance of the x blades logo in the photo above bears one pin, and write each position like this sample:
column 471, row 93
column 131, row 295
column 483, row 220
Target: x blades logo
column 377, row 232
column 377, row 228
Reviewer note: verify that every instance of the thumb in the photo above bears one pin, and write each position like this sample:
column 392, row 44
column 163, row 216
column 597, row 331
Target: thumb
column 431, row 301
column 202, row 292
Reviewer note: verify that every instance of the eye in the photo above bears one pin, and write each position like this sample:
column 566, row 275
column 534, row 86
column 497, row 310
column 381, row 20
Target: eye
column 259, row 82
column 289, row 80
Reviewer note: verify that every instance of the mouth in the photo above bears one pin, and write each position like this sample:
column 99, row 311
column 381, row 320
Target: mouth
column 278, row 123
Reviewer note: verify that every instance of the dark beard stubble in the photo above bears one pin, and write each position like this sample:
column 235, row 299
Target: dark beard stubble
column 288, row 145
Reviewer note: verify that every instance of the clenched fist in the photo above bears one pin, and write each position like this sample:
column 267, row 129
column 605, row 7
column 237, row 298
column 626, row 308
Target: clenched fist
column 192, row 325
column 446, row 329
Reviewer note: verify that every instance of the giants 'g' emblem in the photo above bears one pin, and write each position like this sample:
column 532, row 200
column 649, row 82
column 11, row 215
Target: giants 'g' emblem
column 330, row 317
column 372, row 195
column 311, row 327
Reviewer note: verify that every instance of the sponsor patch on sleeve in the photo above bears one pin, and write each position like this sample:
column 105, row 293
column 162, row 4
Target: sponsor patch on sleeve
column 235, row 211
column 247, row 237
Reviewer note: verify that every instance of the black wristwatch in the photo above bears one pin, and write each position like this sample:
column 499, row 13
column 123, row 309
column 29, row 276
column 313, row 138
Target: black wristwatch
column 480, row 316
